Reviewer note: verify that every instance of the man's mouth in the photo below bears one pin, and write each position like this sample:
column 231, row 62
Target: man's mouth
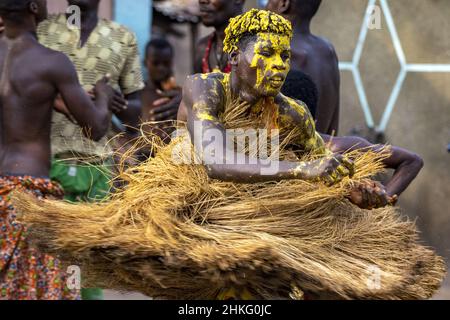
column 276, row 81
column 205, row 11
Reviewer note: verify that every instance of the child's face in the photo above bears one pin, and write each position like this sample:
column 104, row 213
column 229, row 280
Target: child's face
column 159, row 64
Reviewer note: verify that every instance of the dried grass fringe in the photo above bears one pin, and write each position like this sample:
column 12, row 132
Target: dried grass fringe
column 174, row 233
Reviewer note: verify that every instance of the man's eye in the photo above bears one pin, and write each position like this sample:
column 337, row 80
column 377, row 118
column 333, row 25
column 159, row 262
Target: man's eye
column 285, row 56
column 265, row 53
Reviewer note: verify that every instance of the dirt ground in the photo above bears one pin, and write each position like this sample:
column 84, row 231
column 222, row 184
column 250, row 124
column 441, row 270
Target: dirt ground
column 443, row 294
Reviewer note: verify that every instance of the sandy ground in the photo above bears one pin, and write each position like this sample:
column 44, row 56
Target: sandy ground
column 443, row 294
column 114, row 295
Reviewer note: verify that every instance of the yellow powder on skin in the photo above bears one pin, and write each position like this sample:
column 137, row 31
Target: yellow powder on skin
column 267, row 60
column 274, row 35
column 205, row 116
column 254, row 21
column 301, row 110
column 202, row 113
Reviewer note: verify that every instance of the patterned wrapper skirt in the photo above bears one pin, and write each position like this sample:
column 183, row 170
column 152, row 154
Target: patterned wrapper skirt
column 26, row 273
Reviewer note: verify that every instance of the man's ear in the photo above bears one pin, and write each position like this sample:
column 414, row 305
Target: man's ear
column 33, row 7
column 234, row 58
column 284, row 6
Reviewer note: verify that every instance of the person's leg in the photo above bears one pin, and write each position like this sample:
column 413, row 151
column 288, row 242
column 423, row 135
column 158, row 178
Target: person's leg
column 83, row 183
column 74, row 179
column 99, row 190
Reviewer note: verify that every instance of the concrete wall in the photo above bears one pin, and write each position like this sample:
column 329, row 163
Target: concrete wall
column 421, row 118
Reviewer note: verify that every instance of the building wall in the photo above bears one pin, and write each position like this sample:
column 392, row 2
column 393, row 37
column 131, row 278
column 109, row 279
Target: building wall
column 136, row 15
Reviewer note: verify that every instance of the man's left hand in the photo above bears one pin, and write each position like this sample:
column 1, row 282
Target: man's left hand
column 371, row 195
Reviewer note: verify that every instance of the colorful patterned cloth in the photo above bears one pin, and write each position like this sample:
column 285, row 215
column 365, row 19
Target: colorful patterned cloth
column 25, row 273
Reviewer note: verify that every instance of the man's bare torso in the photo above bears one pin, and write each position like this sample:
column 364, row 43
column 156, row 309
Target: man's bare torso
column 317, row 58
column 291, row 113
column 26, row 102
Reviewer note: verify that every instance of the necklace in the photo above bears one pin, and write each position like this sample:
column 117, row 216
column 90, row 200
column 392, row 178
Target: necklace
column 219, row 57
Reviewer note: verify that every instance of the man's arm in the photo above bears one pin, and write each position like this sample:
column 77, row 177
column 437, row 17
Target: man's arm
column 406, row 164
column 328, row 108
column 130, row 116
column 310, row 140
column 94, row 118
column 209, row 135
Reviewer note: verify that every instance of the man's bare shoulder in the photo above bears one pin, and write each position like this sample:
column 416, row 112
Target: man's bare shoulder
column 57, row 58
column 325, row 47
column 206, row 80
column 297, row 110
column 208, row 89
column 55, row 63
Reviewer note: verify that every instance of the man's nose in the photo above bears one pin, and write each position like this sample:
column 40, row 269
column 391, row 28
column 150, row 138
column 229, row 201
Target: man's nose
column 279, row 63
column 203, row 1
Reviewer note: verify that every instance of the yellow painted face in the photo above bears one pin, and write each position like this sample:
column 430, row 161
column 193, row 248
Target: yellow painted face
column 271, row 59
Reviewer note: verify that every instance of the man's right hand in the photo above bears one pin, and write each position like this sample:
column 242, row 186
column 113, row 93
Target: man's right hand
column 117, row 104
column 103, row 90
column 330, row 169
column 166, row 108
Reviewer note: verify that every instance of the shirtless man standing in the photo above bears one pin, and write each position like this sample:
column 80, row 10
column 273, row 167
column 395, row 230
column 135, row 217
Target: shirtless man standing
column 314, row 56
column 27, row 93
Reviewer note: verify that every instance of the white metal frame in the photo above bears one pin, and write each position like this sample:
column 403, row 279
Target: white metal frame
column 405, row 67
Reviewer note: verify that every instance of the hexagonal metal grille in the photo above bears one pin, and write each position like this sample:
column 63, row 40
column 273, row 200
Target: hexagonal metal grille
column 405, row 67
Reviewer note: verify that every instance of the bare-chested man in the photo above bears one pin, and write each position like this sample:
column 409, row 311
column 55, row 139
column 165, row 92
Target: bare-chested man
column 260, row 62
column 28, row 90
column 258, row 44
column 316, row 57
